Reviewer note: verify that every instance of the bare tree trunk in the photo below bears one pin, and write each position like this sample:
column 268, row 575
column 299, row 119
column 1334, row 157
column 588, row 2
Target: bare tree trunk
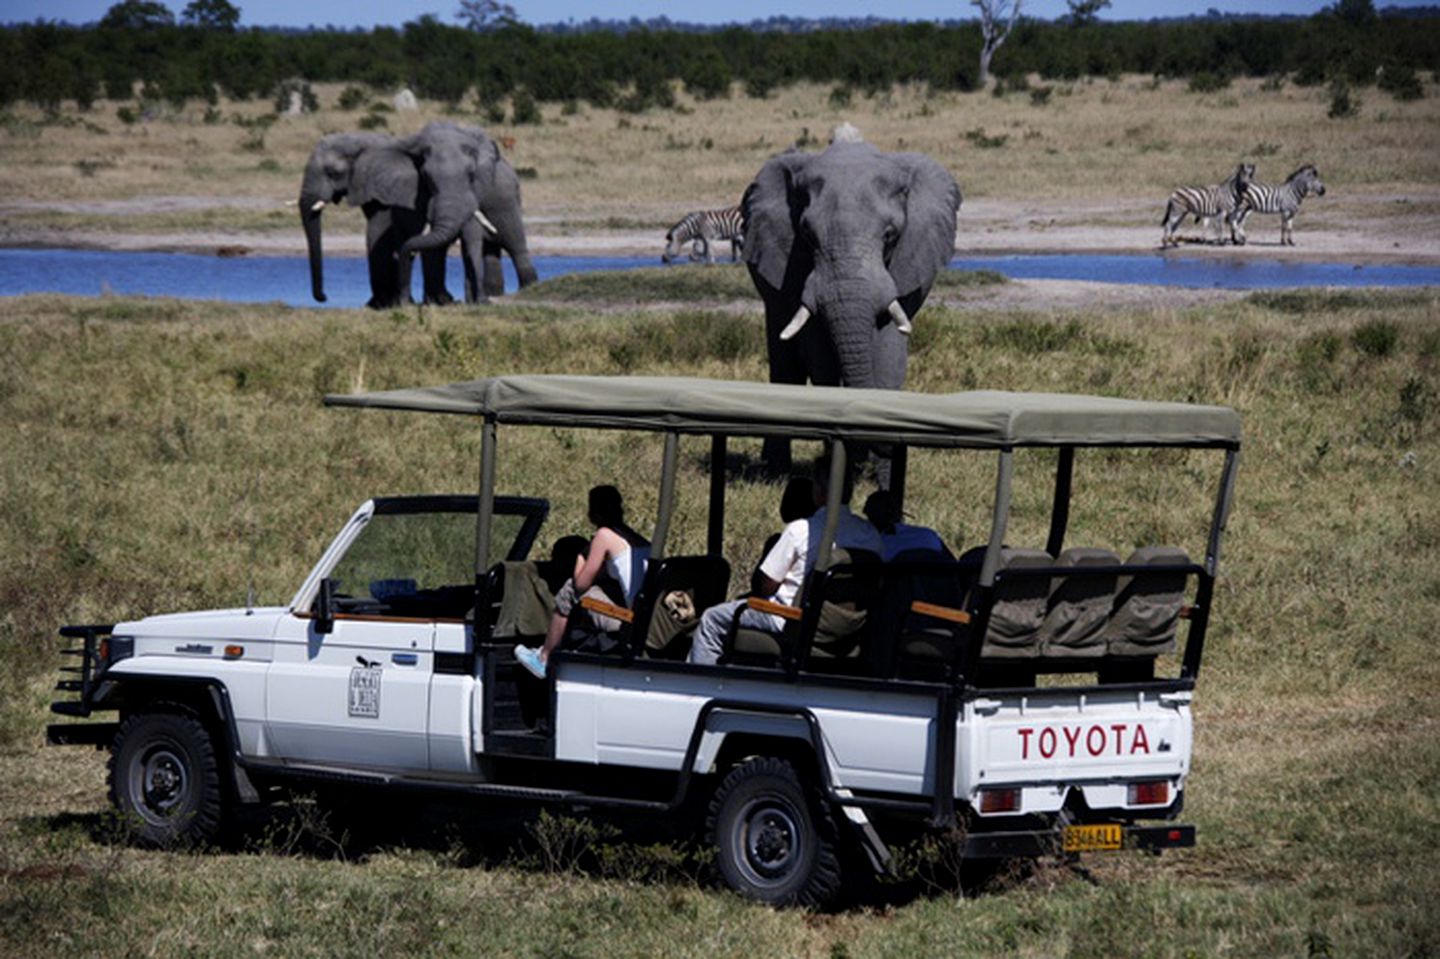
column 997, row 19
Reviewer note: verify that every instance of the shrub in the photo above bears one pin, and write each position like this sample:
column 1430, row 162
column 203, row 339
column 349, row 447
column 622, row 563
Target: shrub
column 352, row 97
column 841, row 96
column 1209, row 82
column 1041, row 96
column 980, row 139
column 126, row 115
column 1342, row 104
column 523, row 107
column 1399, row 80
column 1376, row 338
column 374, row 121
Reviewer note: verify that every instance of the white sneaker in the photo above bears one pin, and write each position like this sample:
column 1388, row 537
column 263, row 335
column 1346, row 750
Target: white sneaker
column 530, row 659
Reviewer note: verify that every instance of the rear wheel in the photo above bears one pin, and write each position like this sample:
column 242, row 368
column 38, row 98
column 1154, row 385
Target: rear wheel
column 165, row 780
column 774, row 837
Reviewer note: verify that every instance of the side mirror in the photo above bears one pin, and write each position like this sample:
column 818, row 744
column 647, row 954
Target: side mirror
column 325, row 607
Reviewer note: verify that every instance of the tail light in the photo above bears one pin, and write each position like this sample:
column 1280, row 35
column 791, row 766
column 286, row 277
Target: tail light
column 999, row 800
column 1153, row 793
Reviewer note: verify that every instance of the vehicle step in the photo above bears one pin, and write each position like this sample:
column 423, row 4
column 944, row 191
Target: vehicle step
column 515, row 742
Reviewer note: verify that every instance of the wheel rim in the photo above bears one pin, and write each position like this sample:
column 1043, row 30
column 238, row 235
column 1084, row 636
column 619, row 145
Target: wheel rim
column 159, row 783
column 771, row 840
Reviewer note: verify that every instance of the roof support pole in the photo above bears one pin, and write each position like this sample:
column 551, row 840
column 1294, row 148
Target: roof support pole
column 899, row 463
column 666, row 506
column 834, row 490
column 715, row 531
column 1000, row 518
column 1222, row 511
column 1060, row 509
column 485, row 514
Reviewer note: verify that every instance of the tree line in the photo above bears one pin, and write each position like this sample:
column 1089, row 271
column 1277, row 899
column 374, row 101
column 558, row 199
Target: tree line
column 200, row 59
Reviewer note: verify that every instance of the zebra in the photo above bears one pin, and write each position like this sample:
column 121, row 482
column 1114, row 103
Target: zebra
column 1283, row 200
column 705, row 227
column 1213, row 203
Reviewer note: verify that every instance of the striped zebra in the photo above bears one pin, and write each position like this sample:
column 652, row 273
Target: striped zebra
column 705, row 227
column 1283, row 200
column 1213, row 203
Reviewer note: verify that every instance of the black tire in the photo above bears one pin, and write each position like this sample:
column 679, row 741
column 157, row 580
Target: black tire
column 774, row 835
column 165, row 780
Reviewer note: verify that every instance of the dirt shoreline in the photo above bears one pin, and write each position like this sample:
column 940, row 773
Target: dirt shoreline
column 1363, row 230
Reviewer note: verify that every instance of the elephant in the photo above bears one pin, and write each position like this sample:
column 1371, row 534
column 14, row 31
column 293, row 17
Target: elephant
column 473, row 195
column 843, row 247
column 367, row 170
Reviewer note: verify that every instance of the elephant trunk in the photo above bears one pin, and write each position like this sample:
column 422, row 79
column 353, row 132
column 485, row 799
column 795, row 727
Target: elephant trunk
column 854, row 308
column 310, row 211
column 446, row 222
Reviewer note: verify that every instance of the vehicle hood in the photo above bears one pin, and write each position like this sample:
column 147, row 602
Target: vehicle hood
column 239, row 623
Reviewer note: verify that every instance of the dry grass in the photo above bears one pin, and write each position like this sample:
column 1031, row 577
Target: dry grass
column 160, row 454
column 599, row 169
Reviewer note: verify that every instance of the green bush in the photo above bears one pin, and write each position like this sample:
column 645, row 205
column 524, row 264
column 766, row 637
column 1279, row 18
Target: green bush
column 1400, row 81
column 352, row 97
column 1342, row 104
column 1376, row 338
column 374, row 121
column 524, row 109
column 1209, row 82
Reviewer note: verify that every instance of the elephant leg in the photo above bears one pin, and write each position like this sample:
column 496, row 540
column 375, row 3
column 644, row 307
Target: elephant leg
column 381, row 255
column 494, row 270
column 432, row 269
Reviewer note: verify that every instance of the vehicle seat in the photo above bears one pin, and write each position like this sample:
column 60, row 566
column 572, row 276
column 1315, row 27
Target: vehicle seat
column 1147, row 607
column 670, row 602
column 1079, row 606
column 1019, row 607
column 926, row 640
column 850, row 588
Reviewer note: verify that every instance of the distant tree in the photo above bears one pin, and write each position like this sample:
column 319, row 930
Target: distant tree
column 1357, row 13
column 997, row 19
column 1085, row 12
column 138, row 15
column 211, row 15
column 483, row 16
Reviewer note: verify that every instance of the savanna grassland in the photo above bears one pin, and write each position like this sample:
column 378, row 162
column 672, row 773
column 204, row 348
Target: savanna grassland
column 163, row 455
column 1091, row 153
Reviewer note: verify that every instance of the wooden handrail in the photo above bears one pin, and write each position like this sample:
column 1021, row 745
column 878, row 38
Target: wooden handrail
column 941, row 612
column 608, row 609
column 774, row 608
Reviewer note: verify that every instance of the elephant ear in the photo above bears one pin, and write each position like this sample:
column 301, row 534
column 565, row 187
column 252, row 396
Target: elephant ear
column 386, row 176
column 928, row 241
column 770, row 215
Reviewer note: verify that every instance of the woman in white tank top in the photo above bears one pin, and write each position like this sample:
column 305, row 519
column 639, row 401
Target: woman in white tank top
column 617, row 552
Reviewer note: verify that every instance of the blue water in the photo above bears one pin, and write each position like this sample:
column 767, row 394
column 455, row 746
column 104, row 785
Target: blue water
column 286, row 279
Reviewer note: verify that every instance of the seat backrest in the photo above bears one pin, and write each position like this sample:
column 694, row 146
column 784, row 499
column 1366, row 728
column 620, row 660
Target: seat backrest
column 1147, row 606
column 850, row 591
column 674, row 595
column 1020, row 605
column 1079, row 607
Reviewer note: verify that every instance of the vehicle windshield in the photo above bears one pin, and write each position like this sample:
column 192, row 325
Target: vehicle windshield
column 418, row 563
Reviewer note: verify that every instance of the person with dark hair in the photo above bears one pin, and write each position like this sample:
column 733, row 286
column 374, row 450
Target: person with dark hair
column 783, row 570
column 797, row 502
column 611, row 569
column 882, row 509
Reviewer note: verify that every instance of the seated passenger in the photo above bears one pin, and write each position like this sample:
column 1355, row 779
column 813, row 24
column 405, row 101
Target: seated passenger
column 797, row 502
column 612, row 569
column 782, row 572
column 882, row 508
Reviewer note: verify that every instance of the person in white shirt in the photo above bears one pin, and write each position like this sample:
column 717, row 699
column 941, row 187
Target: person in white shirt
column 783, row 570
column 882, row 509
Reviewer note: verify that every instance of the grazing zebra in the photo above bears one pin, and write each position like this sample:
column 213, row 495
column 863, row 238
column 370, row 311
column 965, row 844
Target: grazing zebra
column 1283, row 200
column 705, row 227
column 1214, row 203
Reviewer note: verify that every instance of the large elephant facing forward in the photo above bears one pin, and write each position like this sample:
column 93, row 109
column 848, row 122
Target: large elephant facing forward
column 843, row 247
column 474, row 195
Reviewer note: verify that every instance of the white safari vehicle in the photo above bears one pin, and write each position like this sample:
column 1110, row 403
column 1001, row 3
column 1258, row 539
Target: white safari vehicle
column 1013, row 694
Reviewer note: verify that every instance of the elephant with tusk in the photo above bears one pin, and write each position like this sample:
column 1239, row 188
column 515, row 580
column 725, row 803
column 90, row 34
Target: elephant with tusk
column 843, row 247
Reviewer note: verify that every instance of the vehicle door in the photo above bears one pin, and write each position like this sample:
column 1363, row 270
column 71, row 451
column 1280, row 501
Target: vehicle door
column 403, row 581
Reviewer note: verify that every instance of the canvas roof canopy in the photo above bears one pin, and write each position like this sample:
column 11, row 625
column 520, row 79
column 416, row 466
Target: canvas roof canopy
column 981, row 419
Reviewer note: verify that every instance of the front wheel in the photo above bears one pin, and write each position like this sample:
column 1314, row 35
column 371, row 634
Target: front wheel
column 165, row 780
column 775, row 839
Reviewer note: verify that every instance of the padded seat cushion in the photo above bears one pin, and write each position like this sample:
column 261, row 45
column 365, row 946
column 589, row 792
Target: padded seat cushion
column 755, row 642
column 1079, row 607
column 1019, row 608
column 1147, row 607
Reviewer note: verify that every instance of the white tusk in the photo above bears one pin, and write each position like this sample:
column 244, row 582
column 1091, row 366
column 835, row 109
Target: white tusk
column 902, row 322
column 319, row 205
column 486, row 223
column 802, row 315
column 292, row 202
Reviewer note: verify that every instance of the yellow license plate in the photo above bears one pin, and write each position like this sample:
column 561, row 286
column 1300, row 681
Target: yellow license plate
column 1092, row 838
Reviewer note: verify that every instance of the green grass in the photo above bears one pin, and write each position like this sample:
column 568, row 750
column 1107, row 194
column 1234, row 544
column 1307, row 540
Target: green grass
column 161, row 455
